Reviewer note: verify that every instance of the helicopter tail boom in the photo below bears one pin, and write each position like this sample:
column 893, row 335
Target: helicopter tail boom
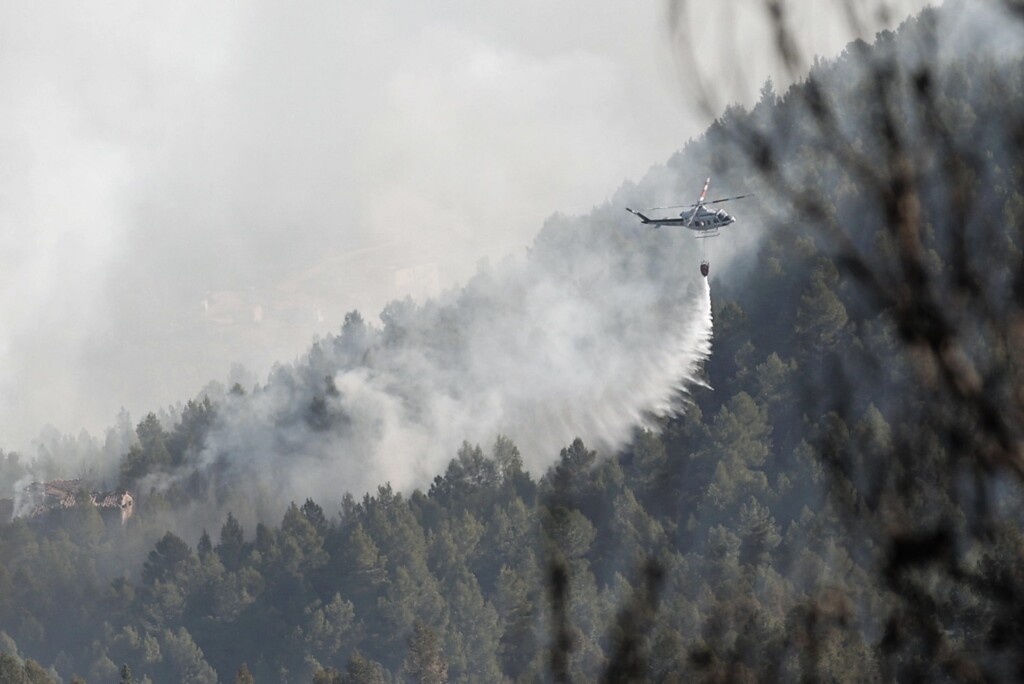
column 637, row 213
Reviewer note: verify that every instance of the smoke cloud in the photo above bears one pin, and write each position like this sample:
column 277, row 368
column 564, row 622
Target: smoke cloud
column 586, row 335
column 189, row 186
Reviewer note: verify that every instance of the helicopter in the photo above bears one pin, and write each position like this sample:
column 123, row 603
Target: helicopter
column 705, row 222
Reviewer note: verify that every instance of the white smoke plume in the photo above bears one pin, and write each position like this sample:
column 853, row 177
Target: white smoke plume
column 598, row 329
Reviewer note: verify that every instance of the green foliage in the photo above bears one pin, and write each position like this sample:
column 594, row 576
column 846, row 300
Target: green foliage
column 11, row 670
column 169, row 560
column 183, row 659
column 231, row 547
column 360, row 670
column 425, row 662
column 244, row 676
column 821, row 314
column 149, row 455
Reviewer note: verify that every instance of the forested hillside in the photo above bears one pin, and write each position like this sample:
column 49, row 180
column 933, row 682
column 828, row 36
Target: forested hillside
column 839, row 501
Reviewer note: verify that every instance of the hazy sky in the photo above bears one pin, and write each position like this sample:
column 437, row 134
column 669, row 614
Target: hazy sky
column 187, row 185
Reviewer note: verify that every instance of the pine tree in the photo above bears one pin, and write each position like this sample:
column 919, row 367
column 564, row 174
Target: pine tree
column 205, row 546
column 11, row 670
column 244, row 676
column 231, row 547
column 425, row 662
column 361, row 670
column 169, row 560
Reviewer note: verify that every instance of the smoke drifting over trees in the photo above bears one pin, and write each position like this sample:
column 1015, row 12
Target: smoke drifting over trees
column 844, row 505
column 159, row 157
column 582, row 336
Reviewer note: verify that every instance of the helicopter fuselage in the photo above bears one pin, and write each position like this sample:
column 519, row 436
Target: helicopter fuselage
column 701, row 220
column 705, row 219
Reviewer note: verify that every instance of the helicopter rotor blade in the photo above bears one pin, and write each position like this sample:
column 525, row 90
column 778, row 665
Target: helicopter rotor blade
column 697, row 204
column 728, row 199
column 677, row 206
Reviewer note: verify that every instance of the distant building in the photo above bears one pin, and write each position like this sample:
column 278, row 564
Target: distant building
column 39, row 498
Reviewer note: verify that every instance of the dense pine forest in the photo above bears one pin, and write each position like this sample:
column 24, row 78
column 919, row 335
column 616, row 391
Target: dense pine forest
column 838, row 500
